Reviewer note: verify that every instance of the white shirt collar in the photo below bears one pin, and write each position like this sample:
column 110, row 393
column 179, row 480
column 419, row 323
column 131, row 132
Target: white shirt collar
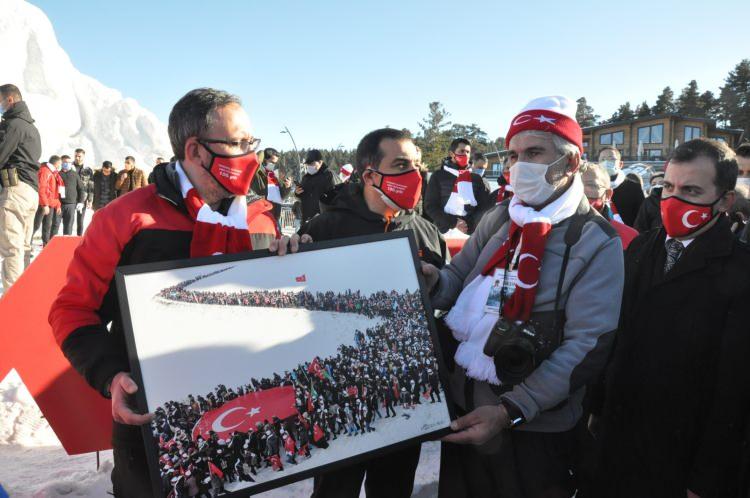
column 684, row 243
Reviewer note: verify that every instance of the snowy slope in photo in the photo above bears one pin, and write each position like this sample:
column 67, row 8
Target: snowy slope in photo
column 71, row 109
column 33, row 464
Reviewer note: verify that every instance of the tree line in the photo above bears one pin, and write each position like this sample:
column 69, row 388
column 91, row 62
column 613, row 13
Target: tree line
column 731, row 108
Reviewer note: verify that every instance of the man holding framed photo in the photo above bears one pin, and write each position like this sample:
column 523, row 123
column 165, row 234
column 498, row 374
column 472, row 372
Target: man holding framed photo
column 195, row 208
column 523, row 359
column 388, row 163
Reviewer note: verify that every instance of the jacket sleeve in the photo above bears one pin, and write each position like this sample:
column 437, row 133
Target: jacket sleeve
column 592, row 311
column 433, row 206
column 78, row 324
column 9, row 142
column 143, row 180
column 720, row 446
column 481, row 194
column 453, row 275
column 45, row 195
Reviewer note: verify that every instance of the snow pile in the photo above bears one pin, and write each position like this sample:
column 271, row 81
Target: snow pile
column 71, row 109
column 22, row 421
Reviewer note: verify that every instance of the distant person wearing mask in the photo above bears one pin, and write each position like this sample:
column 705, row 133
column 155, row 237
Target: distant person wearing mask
column 269, row 183
column 86, row 175
column 596, row 186
column 649, row 216
column 131, row 178
column 75, row 193
column 455, row 196
column 317, row 181
column 20, row 150
column 479, row 167
column 51, row 186
column 628, row 195
column 104, row 185
column 743, row 162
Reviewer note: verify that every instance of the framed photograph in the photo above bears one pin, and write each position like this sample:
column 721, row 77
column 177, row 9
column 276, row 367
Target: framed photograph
column 264, row 370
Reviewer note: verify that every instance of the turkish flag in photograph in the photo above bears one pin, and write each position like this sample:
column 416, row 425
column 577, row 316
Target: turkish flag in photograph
column 241, row 414
column 301, row 278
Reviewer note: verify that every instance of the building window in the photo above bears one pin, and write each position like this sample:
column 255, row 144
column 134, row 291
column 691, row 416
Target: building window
column 720, row 139
column 497, row 168
column 654, row 154
column 618, row 138
column 692, row 132
column 651, row 134
column 605, row 139
column 585, row 144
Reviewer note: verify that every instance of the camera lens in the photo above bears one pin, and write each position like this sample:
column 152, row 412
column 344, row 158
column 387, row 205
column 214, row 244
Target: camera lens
column 514, row 360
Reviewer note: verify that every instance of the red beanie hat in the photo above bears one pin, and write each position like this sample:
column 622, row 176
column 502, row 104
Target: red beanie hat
column 551, row 114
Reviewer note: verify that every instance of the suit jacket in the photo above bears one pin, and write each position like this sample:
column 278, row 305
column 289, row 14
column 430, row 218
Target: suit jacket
column 677, row 386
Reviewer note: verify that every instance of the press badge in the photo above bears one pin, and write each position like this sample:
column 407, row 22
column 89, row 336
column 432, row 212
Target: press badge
column 501, row 283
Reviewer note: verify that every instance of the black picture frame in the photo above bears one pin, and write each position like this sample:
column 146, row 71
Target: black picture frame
column 135, row 370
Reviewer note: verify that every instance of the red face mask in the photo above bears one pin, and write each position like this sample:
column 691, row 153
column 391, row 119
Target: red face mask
column 462, row 160
column 681, row 218
column 400, row 190
column 597, row 204
column 234, row 173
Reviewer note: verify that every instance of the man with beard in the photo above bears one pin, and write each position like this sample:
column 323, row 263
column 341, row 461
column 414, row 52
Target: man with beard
column 455, row 195
column 384, row 200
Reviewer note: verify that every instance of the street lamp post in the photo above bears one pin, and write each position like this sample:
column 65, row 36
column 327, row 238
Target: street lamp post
column 299, row 161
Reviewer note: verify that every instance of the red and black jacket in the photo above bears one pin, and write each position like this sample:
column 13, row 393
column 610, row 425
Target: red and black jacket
column 147, row 225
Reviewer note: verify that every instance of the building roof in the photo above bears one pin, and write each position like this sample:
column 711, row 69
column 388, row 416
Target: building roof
column 589, row 129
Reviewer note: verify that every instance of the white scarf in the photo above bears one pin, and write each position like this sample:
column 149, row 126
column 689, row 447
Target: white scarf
column 470, row 323
column 462, row 193
column 618, row 179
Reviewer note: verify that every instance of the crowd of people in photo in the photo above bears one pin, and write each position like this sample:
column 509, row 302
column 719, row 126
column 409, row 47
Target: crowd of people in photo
column 386, row 372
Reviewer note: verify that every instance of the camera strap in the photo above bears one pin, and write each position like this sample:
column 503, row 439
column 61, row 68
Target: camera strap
column 572, row 236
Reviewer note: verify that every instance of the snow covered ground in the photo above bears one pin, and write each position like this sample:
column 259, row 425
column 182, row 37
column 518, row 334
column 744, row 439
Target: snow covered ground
column 34, row 465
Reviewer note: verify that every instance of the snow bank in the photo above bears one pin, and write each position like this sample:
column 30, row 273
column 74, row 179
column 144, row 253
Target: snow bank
column 71, row 109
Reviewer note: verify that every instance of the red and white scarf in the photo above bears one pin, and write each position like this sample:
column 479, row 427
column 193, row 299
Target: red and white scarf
column 274, row 193
column 462, row 193
column 470, row 323
column 214, row 233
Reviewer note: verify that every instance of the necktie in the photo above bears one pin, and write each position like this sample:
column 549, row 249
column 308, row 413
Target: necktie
column 674, row 250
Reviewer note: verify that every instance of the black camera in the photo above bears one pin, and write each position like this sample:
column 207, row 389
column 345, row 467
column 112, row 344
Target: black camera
column 515, row 347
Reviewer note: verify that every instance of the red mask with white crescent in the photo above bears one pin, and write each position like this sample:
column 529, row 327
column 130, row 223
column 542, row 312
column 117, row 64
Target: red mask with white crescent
column 681, row 218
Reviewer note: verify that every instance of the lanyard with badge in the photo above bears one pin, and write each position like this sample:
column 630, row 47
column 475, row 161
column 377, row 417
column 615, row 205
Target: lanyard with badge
column 503, row 282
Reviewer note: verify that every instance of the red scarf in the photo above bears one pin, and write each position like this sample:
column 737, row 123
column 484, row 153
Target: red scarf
column 214, row 233
column 533, row 238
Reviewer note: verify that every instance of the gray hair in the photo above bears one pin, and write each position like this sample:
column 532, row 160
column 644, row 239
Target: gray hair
column 562, row 146
column 193, row 115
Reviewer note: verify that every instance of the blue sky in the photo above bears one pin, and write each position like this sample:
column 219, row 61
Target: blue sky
column 333, row 70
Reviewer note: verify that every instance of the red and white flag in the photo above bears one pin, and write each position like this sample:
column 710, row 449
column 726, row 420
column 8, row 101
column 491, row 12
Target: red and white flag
column 242, row 413
column 315, row 368
column 301, row 278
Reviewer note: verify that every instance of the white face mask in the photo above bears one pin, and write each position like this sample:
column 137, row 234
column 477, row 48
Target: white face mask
column 479, row 171
column 610, row 166
column 530, row 183
column 743, row 181
column 66, row 166
column 270, row 167
column 311, row 170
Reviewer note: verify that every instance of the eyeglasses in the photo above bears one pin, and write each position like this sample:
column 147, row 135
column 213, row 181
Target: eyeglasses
column 244, row 145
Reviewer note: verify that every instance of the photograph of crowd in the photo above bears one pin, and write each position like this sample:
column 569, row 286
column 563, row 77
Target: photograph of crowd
column 380, row 388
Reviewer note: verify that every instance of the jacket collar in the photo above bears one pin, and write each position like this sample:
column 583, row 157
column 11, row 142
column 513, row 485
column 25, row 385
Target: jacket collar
column 20, row 110
column 168, row 184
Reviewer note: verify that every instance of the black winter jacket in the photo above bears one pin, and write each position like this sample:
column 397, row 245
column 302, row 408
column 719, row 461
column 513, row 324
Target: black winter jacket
column 349, row 216
column 75, row 191
column 628, row 197
column 104, row 188
column 20, row 144
column 314, row 187
column 439, row 189
column 678, row 385
column 649, row 215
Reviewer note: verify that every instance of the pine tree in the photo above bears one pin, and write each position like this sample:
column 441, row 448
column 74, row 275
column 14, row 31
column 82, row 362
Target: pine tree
column 643, row 110
column 585, row 113
column 734, row 105
column 664, row 103
column 688, row 103
column 709, row 104
column 434, row 138
column 623, row 113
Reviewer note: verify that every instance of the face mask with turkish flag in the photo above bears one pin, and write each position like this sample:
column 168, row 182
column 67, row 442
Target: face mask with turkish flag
column 400, row 190
column 681, row 218
column 241, row 414
column 234, row 173
column 462, row 160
